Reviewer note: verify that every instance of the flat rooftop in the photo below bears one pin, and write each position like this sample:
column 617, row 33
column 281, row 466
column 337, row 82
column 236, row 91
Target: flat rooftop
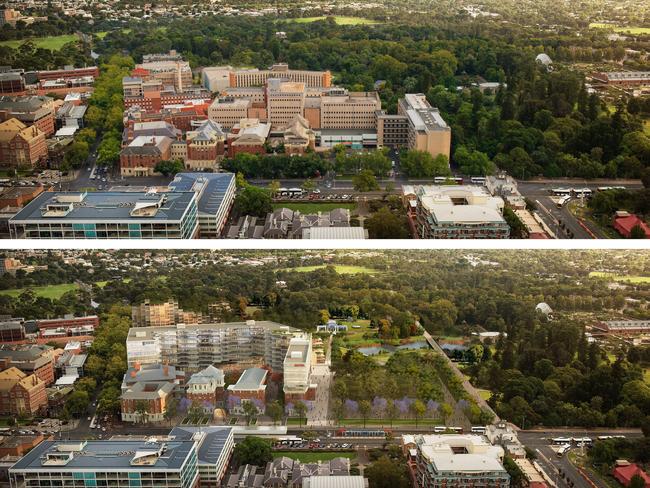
column 213, row 442
column 104, row 206
column 211, row 188
column 251, row 379
column 105, row 455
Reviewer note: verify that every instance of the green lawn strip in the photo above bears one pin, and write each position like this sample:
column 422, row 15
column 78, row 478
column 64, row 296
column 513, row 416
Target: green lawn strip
column 313, row 208
column 339, row 19
column 313, row 457
column 615, row 277
column 620, row 29
column 48, row 291
column 53, row 43
column 340, row 269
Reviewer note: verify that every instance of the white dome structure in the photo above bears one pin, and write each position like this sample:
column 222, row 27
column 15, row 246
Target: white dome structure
column 544, row 59
column 544, row 308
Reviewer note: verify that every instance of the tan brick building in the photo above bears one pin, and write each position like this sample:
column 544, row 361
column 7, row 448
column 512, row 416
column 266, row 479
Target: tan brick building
column 21, row 393
column 21, row 145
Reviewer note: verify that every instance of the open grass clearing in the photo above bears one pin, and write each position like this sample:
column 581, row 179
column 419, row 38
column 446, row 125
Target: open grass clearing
column 314, row 457
column 620, row 29
column 485, row 394
column 53, row 43
column 615, row 277
column 340, row 269
column 53, row 292
column 339, row 19
column 313, row 208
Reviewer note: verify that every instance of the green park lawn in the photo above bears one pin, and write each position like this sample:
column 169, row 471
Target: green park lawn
column 340, row 269
column 340, row 20
column 312, row 208
column 620, row 29
column 53, row 292
column 53, row 43
column 615, row 277
column 314, row 457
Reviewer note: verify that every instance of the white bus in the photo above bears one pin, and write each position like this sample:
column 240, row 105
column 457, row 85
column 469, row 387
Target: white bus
column 480, row 429
column 563, row 201
column 563, row 450
column 289, row 441
column 561, row 191
column 582, row 441
column 439, row 429
column 478, row 180
column 559, row 441
column 582, row 192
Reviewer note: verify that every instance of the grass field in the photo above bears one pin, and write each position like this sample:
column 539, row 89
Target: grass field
column 646, row 126
column 622, row 30
column 49, row 291
column 314, row 457
column 53, row 43
column 612, row 276
column 312, row 208
column 340, row 269
column 340, row 20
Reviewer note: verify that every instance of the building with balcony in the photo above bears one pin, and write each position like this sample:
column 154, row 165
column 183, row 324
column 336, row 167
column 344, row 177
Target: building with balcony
column 456, row 212
column 455, row 460
column 194, row 347
column 107, row 215
column 132, row 463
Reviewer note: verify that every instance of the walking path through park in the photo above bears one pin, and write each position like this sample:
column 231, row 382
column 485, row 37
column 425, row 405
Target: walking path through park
column 469, row 388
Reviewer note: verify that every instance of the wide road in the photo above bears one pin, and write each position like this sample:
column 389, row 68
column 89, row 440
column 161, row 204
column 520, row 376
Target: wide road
column 560, row 219
column 540, row 442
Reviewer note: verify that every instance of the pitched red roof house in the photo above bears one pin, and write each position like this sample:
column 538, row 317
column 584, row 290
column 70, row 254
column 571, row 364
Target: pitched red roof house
column 624, row 474
column 624, row 224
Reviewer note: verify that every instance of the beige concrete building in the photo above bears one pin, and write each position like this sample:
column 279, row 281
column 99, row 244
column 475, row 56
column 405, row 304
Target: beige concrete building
column 256, row 77
column 256, row 94
column 229, row 111
column 176, row 73
column 285, row 101
column 417, row 125
column 355, row 110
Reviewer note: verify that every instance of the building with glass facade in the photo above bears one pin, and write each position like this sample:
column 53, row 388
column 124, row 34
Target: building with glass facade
column 108, row 464
column 108, row 215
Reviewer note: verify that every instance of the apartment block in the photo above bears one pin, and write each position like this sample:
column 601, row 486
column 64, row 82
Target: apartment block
column 21, row 393
column 104, row 215
column 456, row 212
column 297, row 371
column 194, row 347
column 21, row 145
column 455, row 460
column 228, row 111
column 133, row 463
column 169, row 71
